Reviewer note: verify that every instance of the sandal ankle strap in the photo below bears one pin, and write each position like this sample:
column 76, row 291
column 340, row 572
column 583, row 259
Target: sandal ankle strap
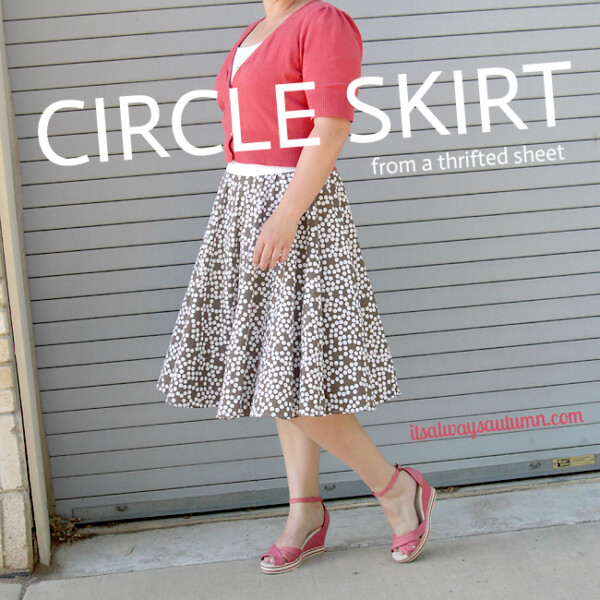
column 307, row 499
column 391, row 483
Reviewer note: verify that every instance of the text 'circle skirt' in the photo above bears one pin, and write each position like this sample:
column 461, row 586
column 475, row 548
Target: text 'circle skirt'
column 303, row 338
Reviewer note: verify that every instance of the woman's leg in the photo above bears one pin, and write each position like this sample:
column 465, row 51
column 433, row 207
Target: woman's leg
column 345, row 438
column 301, row 457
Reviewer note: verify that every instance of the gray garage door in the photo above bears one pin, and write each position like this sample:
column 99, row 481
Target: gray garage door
column 487, row 277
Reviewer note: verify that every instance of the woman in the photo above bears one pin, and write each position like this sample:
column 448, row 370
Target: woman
column 279, row 318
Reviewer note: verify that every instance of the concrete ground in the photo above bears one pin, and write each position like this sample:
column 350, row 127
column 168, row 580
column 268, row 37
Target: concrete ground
column 530, row 539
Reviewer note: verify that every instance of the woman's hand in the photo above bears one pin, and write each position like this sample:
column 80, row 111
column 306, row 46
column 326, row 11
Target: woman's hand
column 275, row 239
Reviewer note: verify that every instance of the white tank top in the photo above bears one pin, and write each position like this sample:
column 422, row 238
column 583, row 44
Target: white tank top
column 241, row 54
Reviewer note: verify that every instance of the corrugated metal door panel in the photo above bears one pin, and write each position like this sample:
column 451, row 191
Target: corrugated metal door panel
column 487, row 279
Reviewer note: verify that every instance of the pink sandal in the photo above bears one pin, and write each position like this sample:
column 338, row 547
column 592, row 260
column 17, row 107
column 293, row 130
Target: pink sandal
column 411, row 544
column 288, row 557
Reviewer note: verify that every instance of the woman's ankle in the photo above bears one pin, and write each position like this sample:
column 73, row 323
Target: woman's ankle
column 305, row 507
column 404, row 485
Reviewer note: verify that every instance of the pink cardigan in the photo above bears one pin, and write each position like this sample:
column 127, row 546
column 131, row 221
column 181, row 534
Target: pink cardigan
column 318, row 43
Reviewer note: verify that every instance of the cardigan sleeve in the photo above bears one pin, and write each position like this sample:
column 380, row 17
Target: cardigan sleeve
column 331, row 52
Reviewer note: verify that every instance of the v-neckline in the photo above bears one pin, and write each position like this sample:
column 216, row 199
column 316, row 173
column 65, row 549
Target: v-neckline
column 261, row 43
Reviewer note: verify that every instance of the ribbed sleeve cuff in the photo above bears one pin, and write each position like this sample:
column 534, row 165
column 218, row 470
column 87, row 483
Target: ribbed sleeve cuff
column 330, row 101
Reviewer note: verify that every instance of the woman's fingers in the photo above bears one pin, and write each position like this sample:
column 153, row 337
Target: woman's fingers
column 258, row 251
column 284, row 254
column 262, row 253
column 274, row 241
column 267, row 254
column 275, row 256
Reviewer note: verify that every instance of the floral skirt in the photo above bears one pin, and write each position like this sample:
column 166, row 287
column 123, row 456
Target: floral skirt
column 303, row 338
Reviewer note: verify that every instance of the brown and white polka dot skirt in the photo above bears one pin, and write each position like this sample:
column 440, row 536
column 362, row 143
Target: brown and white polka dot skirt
column 302, row 338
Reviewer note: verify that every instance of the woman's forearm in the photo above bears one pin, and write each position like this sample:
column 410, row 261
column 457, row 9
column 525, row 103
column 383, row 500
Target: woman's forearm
column 314, row 165
column 312, row 170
